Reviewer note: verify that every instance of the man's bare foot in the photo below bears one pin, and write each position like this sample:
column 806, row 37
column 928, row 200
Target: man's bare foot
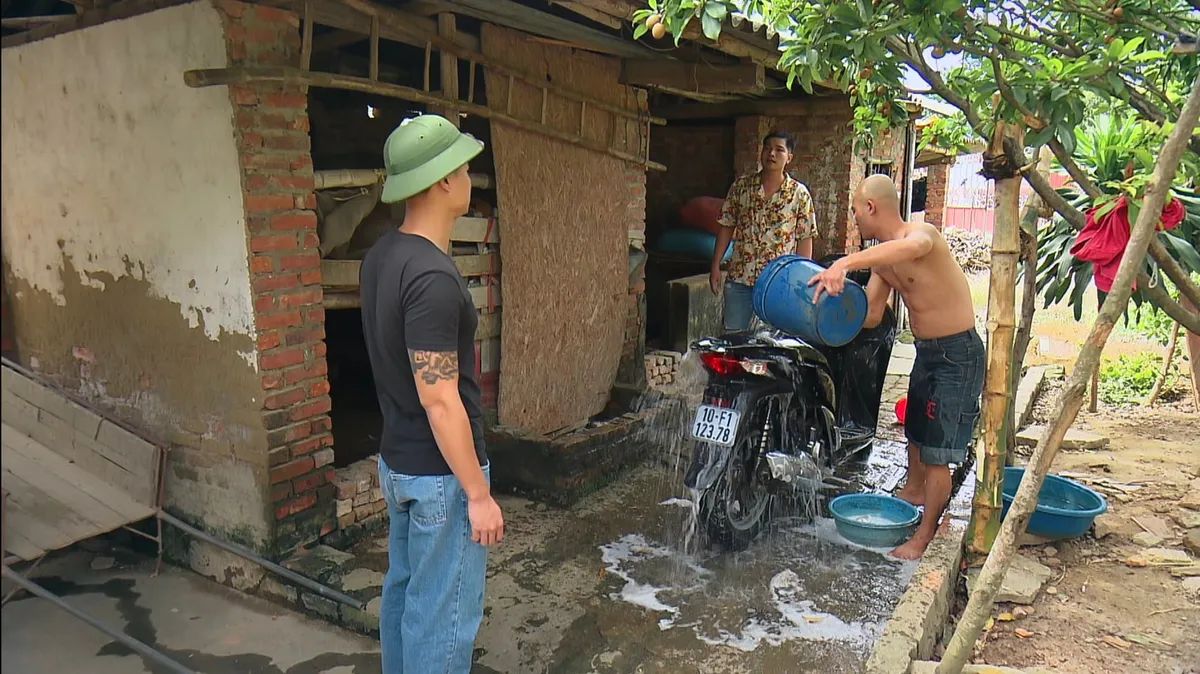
column 913, row 549
column 914, row 494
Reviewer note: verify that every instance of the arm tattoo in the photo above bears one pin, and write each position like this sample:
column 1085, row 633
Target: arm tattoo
column 433, row 366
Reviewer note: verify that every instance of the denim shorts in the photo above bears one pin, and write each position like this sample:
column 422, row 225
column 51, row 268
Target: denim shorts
column 943, row 396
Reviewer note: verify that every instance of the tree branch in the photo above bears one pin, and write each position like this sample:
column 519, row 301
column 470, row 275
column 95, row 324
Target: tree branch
column 1078, row 174
column 1159, row 297
column 1175, row 272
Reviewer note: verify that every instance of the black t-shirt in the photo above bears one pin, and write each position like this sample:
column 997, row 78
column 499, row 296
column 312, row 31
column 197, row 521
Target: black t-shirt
column 414, row 298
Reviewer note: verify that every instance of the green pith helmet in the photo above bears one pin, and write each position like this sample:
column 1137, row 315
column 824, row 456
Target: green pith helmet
column 422, row 151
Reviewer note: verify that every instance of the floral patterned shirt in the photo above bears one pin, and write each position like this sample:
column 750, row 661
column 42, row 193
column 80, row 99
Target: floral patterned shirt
column 765, row 228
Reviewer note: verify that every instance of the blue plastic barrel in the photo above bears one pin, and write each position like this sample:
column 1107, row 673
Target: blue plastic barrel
column 690, row 242
column 784, row 300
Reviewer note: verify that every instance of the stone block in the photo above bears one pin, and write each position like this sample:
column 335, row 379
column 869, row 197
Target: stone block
column 344, row 507
column 362, row 498
column 320, row 563
column 322, row 606
column 364, row 622
column 1022, row 583
column 692, row 311
column 278, row 591
column 1074, row 440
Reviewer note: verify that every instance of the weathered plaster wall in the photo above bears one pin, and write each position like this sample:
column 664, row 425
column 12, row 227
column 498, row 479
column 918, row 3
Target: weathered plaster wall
column 125, row 247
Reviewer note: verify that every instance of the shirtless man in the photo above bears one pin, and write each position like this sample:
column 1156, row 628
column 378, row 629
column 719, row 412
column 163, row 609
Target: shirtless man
column 947, row 377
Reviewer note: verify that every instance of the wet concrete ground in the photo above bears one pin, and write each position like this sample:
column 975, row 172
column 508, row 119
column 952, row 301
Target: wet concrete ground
column 601, row 587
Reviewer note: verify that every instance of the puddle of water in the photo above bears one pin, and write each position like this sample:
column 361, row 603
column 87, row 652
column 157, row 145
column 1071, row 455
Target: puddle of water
column 800, row 582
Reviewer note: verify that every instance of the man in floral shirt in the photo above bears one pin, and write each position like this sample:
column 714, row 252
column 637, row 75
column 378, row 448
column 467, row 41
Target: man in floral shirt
column 771, row 215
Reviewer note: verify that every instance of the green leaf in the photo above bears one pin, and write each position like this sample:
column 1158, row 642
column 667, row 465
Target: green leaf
column 1188, row 255
column 639, row 31
column 1115, row 81
column 716, row 10
column 711, row 26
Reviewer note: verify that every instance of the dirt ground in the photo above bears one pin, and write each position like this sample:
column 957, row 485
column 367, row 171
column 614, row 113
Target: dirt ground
column 1099, row 596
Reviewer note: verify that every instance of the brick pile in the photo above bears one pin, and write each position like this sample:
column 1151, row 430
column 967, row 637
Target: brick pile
column 272, row 132
column 661, row 368
column 359, row 496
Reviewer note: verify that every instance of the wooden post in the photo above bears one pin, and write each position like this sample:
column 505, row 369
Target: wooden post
column 1070, row 401
column 306, row 40
column 447, row 29
column 373, row 73
column 1001, row 326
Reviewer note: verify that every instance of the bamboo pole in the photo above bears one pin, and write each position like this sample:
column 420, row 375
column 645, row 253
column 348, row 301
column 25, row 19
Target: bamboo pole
column 218, row 76
column 1071, row 399
column 334, row 178
column 1001, row 327
column 1166, row 369
column 1192, row 340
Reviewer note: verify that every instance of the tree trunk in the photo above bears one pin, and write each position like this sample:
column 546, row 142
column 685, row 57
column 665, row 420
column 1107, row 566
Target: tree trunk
column 1166, row 369
column 1071, row 399
column 997, row 390
column 1193, row 348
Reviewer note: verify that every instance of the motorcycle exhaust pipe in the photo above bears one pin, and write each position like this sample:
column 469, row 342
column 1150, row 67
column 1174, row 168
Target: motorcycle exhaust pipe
column 802, row 473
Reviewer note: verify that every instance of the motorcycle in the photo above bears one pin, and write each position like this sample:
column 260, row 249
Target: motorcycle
column 779, row 418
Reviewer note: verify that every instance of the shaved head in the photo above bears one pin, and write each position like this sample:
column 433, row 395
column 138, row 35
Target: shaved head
column 881, row 190
column 876, row 206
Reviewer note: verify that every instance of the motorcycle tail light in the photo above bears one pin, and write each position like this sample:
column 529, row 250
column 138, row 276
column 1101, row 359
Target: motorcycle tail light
column 720, row 363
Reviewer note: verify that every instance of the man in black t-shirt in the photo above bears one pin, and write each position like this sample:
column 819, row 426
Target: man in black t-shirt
column 419, row 322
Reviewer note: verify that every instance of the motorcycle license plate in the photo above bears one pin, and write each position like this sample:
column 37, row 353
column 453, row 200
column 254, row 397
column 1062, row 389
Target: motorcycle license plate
column 715, row 424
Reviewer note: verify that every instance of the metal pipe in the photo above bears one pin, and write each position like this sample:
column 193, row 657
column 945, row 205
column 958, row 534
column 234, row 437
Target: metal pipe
column 133, row 644
column 238, row 550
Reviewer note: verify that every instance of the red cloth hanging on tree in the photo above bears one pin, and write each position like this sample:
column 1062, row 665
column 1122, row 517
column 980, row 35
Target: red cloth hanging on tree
column 1104, row 239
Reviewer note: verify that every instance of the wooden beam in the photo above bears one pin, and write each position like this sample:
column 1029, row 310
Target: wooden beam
column 740, row 108
column 448, row 63
column 405, row 27
column 514, row 15
column 345, row 273
column 591, row 14
column 34, row 21
column 394, row 21
column 295, row 76
column 697, row 77
column 335, row 178
column 483, row 297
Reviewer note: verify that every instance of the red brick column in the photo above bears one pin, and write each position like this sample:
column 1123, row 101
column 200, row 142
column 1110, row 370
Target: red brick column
column 748, row 134
column 936, row 180
column 271, row 130
column 632, row 370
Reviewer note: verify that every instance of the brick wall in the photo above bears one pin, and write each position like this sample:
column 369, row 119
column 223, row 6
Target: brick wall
column 888, row 147
column 699, row 161
column 936, row 179
column 630, row 371
column 271, row 129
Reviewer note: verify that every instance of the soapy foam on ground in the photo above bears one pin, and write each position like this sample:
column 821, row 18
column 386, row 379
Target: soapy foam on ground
column 842, row 595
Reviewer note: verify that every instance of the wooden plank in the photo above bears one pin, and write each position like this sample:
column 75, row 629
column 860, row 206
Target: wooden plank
column 489, row 355
column 15, row 383
column 489, row 325
column 19, row 413
column 138, row 456
column 91, row 457
column 23, row 525
column 476, row 230
column 345, row 273
column 15, row 543
column 52, row 462
column 54, row 525
column 486, row 296
column 696, row 77
column 102, row 517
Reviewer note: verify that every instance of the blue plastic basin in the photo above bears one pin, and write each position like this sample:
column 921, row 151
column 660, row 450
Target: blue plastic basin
column 874, row 520
column 1065, row 508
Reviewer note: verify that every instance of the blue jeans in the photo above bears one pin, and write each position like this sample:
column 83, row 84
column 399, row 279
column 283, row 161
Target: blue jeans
column 432, row 602
column 738, row 309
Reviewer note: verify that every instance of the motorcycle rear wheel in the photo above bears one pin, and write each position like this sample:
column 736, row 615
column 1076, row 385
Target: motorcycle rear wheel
column 736, row 509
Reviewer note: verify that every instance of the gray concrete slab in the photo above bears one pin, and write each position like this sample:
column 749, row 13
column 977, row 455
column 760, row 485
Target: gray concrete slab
column 204, row 626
